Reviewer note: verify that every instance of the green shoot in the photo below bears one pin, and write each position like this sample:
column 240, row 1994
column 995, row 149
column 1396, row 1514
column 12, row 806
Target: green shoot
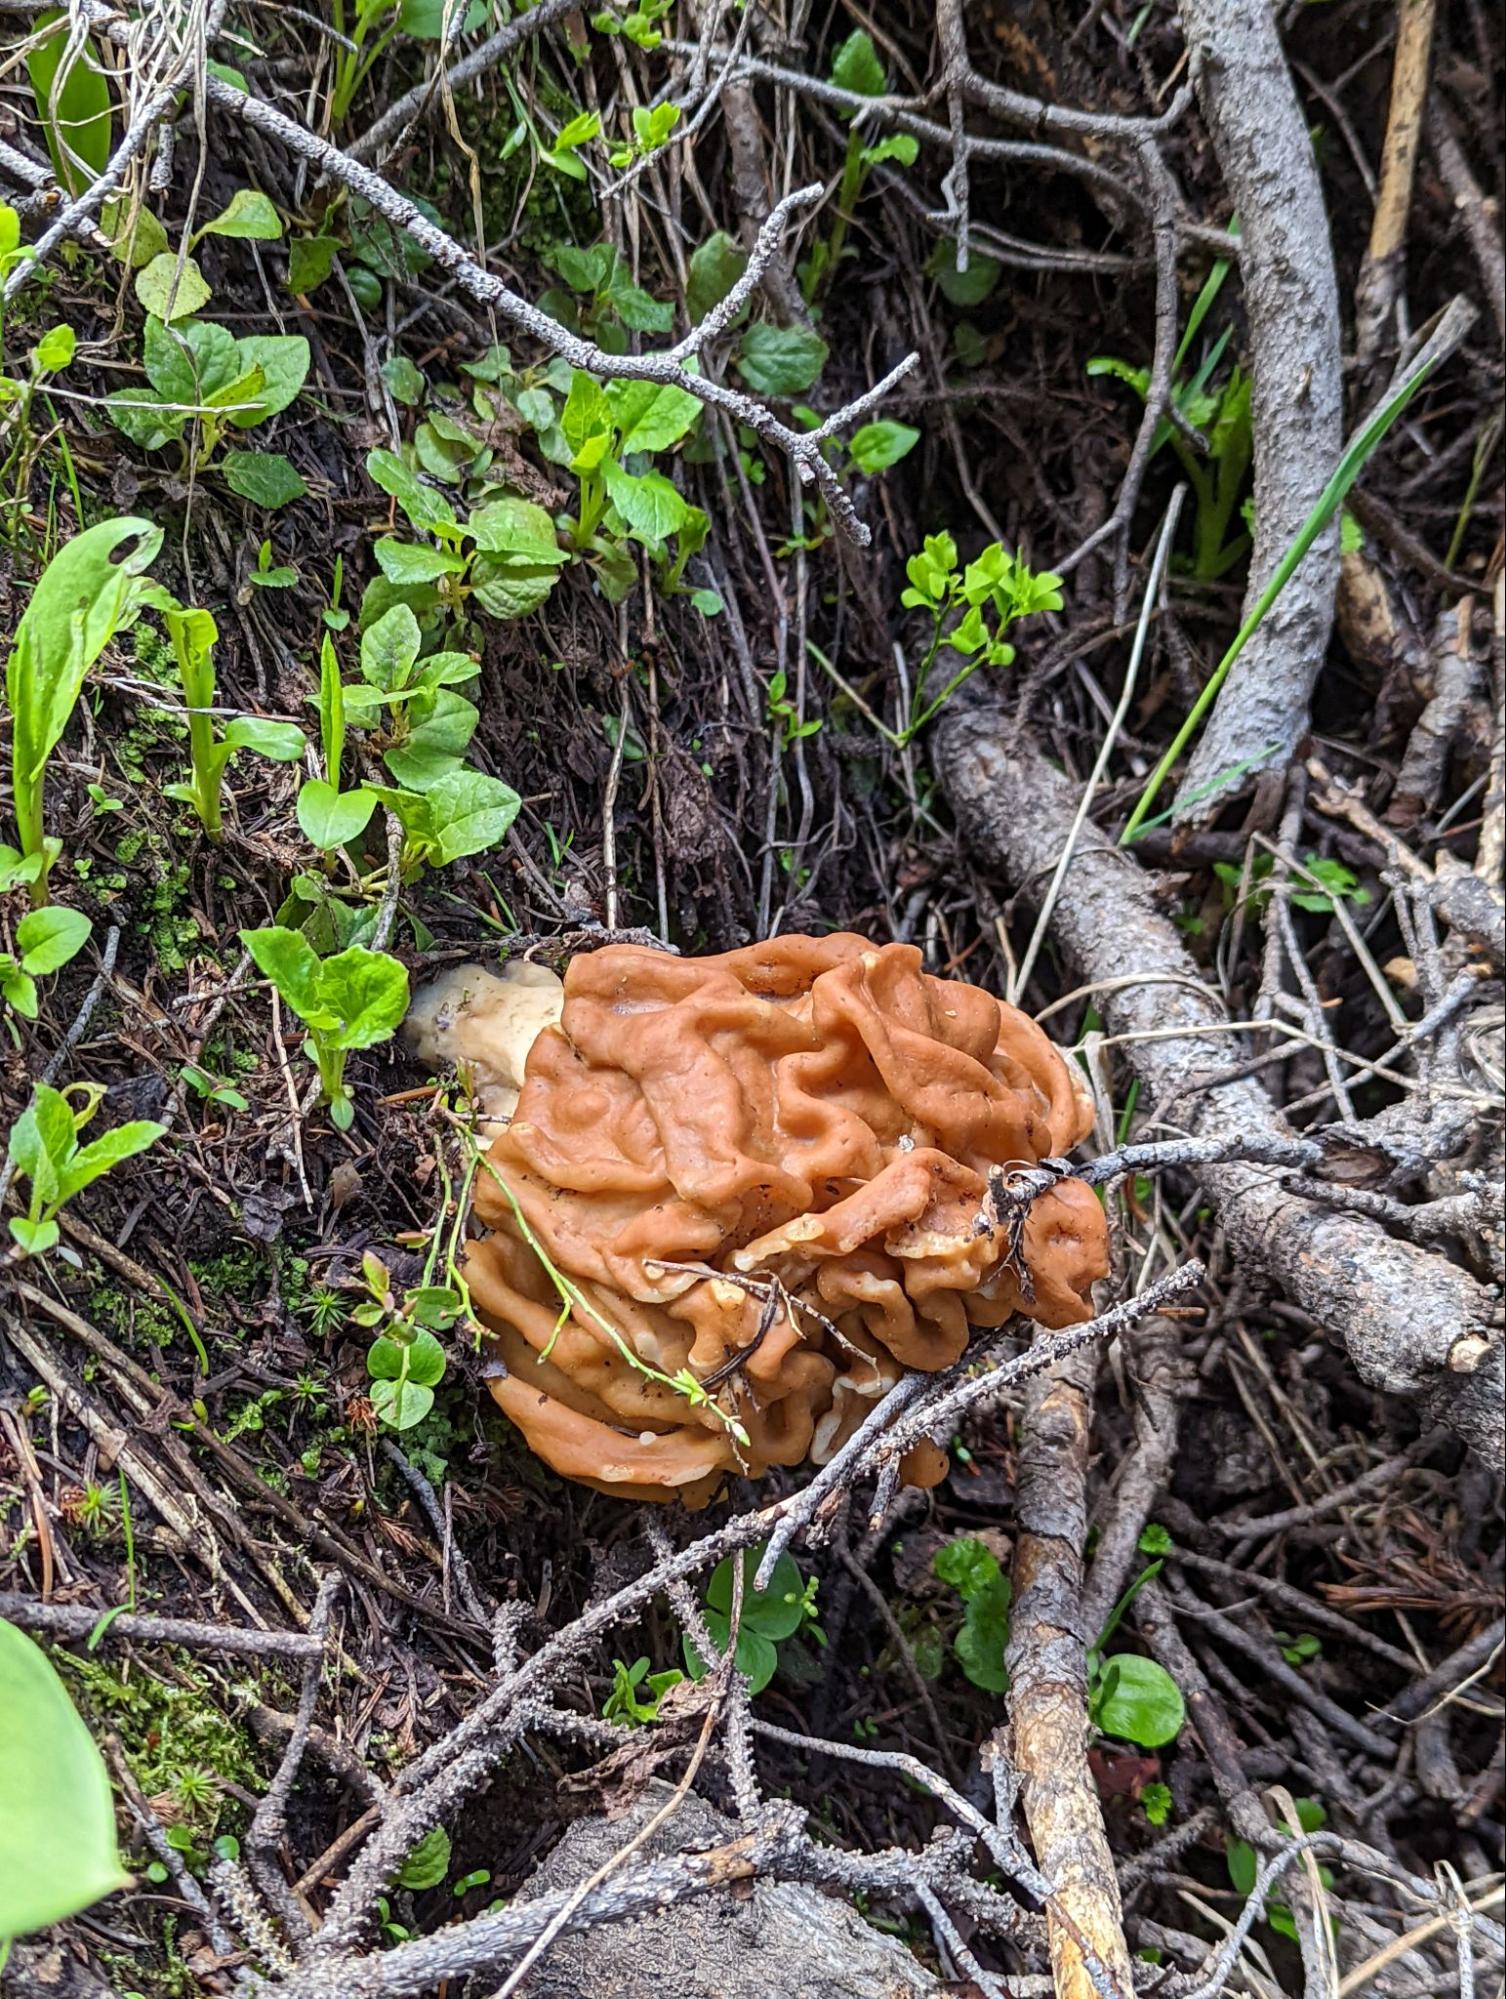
column 1356, row 456
column 45, row 941
column 352, row 1000
column 84, row 597
column 43, row 1148
column 194, row 636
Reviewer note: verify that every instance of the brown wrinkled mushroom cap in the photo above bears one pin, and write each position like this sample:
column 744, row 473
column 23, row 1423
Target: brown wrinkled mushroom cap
column 818, row 1111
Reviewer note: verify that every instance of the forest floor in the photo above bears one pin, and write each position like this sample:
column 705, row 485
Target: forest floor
column 702, row 707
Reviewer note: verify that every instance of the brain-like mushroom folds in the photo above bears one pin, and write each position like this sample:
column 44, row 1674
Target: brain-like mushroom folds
column 760, row 1173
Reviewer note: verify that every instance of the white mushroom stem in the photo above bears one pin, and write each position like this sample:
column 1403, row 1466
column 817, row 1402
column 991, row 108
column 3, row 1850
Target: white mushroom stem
column 482, row 1025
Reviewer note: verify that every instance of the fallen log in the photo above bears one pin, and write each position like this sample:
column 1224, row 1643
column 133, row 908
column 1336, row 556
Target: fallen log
column 1413, row 1323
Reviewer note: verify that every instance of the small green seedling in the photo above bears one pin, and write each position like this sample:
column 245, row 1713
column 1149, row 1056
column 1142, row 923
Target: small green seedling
column 204, row 385
column 43, row 1147
column 269, row 574
column 971, row 609
column 769, row 1618
column 1331, row 882
column 973, row 1571
column 1244, row 1865
column 88, row 592
column 194, row 635
column 1129, row 1697
column 856, row 67
column 57, row 1839
column 406, row 1362
column 22, row 440
column 653, row 127
column 636, row 1693
column 45, row 941
column 352, row 1000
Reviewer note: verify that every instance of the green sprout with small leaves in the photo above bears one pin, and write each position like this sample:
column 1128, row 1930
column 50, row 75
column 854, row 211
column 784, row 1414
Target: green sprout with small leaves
column 971, row 609
column 406, row 1362
column 352, row 1000
column 45, row 941
column 194, row 635
column 44, row 1150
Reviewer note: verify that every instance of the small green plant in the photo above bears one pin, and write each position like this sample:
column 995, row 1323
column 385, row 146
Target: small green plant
column 205, row 385
column 428, row 1863
column 45, row 941
column 601, row 299
column 1299, row 1648
column 21, row 441
column 1156, row 1802
column 769, row 1618
column 505, row 556
column 973, row 1571
column 84, row 597
column 1331, row 882
column 971, row 609
column 636, row 1693
column 1129, row 1697
column 855, row 67
column 57, row 1831
column 43, row 1148
column 1356, row 456
column 1244, row 1865
column 1222, row 414
column 784, row 714
column 352, row 1000
column 405, row 1361
column 194, row 635
column 641, row 25
column 610, row 427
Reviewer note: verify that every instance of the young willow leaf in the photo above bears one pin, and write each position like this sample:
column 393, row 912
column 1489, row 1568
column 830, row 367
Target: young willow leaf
column 57, row 1828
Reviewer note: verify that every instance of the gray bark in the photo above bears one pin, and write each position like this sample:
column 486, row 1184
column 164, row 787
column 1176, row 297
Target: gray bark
column 780, row 1940
column 1413, row 1323
column 1291, row 298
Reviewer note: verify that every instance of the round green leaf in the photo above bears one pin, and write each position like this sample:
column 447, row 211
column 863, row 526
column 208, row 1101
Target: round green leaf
column 1138, row 1701
column 250, row 216
column 265, row 478
column 330, row 818
column 48, row 938
column 425, row 1359
column 57, row 1828
column 56, row 348
column 168, row 292
column 401, row 1404
column 780, row 360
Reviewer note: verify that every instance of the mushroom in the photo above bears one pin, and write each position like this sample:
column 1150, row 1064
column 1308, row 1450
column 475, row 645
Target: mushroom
column 737, row 1198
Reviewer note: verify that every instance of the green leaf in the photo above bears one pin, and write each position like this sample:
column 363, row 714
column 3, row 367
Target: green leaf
column 83, row 597
column 506, row 588
column 400, row 1404
column 973, row 1571
column 137, row 413
column 110, row 1149
column 330, row 818
column 434, row 746
column 515, row 527
column 878, row 445
column 777, row 1612
column 287, row 958
column 250, row 217
column 189, row 363
column 57, row 1831
column 650, row 416
column 280, row 742
column 388, row 650
column 35, row 1238
column 18, row 989
column 48, row 938
column 403, row 380
column 969, row 287
column 426, row 510
column 283, row 359
column 73, row 107
column 171, row 293
column 426, row 1360
column 856, row 66
column 415, row 562
column 714, row 268
column 585, row 419
column 428, row 1863
column 265, row 478
column 470, row 813
column 780, row 360
column 367, row 994
column 650, row 505
column 310, row 261
column 903, row 147
column 55, row 349
column 1137, row 1701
